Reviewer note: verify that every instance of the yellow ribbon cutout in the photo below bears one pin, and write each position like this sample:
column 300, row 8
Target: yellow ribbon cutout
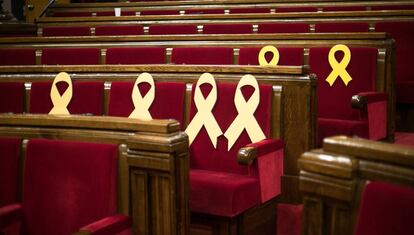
column 204, row 116
column 61, row 102
column 245, row 118
column 142, row 104
column 339, row 69
column 262, row 59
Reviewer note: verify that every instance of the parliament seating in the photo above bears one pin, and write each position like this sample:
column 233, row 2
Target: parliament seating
column 138, row 55
column 9, row 170
column 357, row 186
column 70, row 56
column 14, row 93
column 202, row 55
column 172, row 29
column 116, row 30
column 66, row 31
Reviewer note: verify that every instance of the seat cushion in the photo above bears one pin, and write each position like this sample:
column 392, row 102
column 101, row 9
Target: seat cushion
column 222, row 194
column 329, row 127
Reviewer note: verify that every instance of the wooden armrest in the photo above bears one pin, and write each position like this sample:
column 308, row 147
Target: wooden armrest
column 362, row 99
column 106, row 226
column 248, row 154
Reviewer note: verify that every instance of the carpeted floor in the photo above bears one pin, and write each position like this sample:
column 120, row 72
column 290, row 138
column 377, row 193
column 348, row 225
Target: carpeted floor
column 404, row 138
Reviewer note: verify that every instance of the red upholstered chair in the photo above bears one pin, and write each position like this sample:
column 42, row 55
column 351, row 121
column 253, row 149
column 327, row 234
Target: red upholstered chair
column 287, row 56
column 227, row 29
column 87, row 98
column 403, row 34
column 137, row 55
column 344, row 8
column 114, row 30
column 386, row 209
column 341, row 27
column 335, row 112
column 66, row 31
column 9, row 169
column 168, row 102
column 68, row 186
column 283, row 28
column 219, row 185
column 72, row 14
column 112, row 13
column 18, row 56
column 393, row 7
column 12, row 97
column 71, row 56
column 249, row 10
column 202, row 55
column 160, row 12
column 296, row 9
column 204, row 11
column 173, row 29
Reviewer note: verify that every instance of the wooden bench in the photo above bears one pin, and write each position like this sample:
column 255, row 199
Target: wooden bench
column 351, row 181
column 141, row 156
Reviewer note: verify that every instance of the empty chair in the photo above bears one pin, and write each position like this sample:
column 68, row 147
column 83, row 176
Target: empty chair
column 71, row 56
column 160, row 12
column 344, row 8
column 393, row 7
column 287, row 56
column 173, row 29
column 296, row 9
column 112, row 13
column 202, row 55
column 9, row 169
column 249, row 10
column 283, row 28
column 228, row 29
column 12, row 97
column 113, row 30
column 66, row 31
column 204, row 11
column 341, row 27
column 68, row 186
column 17, row 56
column 137, row 55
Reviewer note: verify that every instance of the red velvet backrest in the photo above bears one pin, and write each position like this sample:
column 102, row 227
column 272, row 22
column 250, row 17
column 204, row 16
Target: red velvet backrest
column 168, row 102
column 386, row 209
column 203, row 154
column 68, row 184
column 335, row 101
column 202, row 55
column 249, row 10
column 296, row 9
column 71, row 56
column 341, row 27
column 18, row 56
column 137, row 55
column 204, row 11
column 112, row 13
column 283, row 28
column 88, row 97
column 287, row 56
column 111, row 30
column 228, row 29
column 66, row 31
column 12, row 97
column 72, row 14
column 344, row 8
column 403, row 34
column 160, row 12
column 9, row 169
column 393, row 7
column 173, row 29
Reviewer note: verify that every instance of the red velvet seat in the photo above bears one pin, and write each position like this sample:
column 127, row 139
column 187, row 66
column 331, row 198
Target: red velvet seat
column 341, row 27
column 72, row 14
column 168, row 102
column 114, row 30
column 228, row 29
column 403, row 34
column 204, row 11
column 296, row 9
column 386, row 209
column 173, row 29
column 249, row 10
column 66, row 31
column 9, row 169
column 71, row 56
column 202, row 55
column 137, row 55
column 335, row 113
column 12, row 97
column 18, row 56
column 344, row 8
column 68, row 186
column 87, row 98
column 218, row 184
column 288, row 56
column 160, row 12
column 393, row 7
column 283, row 28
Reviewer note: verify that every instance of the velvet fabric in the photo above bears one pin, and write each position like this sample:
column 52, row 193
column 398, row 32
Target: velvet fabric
column 160, row 12
column 72, row 14
column 88, row 97
column 18, row 56
column 289, row 219
column 9, row 169
column 376, row 114
column 168, row 102
column 110, row 225
column 287, row 56
column 12, row 96
column 393, row 7
column 331, row 127
column 403, row 34
column 202, row 55
column 71, row 56
column 137, row 55
column 341, row 27
column 115, row 30
column 283, row 28
column 228, row 29
column 68, row 184
column 296, row 9
column 204, row 11
column 173, row 29
column 112, row 13
column 386, row 209
column 344, row 8
column 249, row 10
column 66, row 31
column 10, row 214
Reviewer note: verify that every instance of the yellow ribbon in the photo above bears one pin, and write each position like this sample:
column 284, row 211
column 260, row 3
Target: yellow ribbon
column 61, row 102
column 262, row 59
column 245, row 118
column 339, row 69
column 142, row 104
column 204, row 116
